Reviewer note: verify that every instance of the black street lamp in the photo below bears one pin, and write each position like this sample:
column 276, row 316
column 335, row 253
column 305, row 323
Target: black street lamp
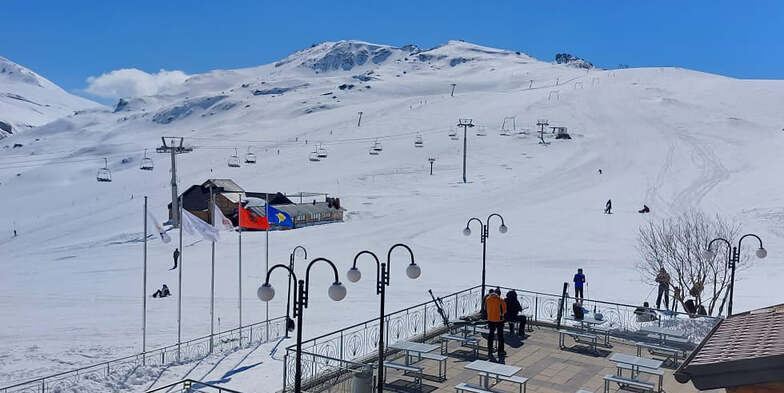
column 484, row 235
column 382, row 281
column 288, row 292
column 336, row 292
column 733, row 258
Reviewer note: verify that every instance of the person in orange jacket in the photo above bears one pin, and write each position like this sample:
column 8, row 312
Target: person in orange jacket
column 496, row 310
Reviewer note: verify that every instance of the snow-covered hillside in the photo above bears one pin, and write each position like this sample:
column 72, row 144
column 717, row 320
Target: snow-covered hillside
column 28, row 100
column 667, row 137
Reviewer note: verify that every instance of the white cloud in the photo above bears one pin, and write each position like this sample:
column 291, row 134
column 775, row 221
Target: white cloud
column 131, row 82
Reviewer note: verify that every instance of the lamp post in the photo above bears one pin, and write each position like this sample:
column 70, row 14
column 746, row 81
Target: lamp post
column 288, row 292
column 336, row 292
column 382, row 281
column 484, row 227
column 733, row 258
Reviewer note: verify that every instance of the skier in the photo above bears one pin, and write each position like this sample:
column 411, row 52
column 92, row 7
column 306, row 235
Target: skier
column 496, row 309
column 663, row 278
column 14, row 232
column 163, row 292
column 579, row 281
column 608, row 207
column 176, row 256
column 645, row 209
column 513, row 308
column 600, row 171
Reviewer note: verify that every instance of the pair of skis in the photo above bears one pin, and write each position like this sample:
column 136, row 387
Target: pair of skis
column 440, row 307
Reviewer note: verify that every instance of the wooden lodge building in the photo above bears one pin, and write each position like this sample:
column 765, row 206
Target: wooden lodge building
column 228, row 194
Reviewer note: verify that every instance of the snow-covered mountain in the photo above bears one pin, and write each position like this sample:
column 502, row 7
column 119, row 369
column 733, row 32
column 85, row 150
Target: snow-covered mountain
column 670, row 138
column 28, row 100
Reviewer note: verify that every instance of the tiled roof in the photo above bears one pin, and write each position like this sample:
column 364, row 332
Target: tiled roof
column 755, row 334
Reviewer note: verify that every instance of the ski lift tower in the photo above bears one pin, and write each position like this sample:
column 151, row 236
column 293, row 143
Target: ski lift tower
column 465, row 123
column 542, row 123
column 173, row 149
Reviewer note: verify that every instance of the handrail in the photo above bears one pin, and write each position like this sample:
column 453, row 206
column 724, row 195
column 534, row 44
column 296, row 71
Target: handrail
column 386, row 315
column 140, row 354
column 197, row 385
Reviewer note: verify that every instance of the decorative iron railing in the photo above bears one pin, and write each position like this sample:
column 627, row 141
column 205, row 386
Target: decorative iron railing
column 324, row 373
column 191, row 386
column 187, row 351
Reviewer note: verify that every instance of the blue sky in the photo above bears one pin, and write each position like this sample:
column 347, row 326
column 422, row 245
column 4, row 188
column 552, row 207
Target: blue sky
column 68, row 41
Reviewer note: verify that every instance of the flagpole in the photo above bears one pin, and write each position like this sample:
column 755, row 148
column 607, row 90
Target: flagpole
column 144, row 287
column 212, row 273
column 239, row 296
column 266, row 266
column 179, row 290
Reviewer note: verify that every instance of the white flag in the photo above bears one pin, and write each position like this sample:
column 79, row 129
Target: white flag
column 220, row 221
column 154, row 226
column 194, row 225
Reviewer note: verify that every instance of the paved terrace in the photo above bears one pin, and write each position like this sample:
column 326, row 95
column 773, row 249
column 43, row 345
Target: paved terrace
column 548, row 368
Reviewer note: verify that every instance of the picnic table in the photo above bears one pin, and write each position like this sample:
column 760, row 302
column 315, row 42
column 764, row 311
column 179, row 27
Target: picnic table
column 412, row 347
column 586, row 322
column 491, row 369
column 678, row 336
column 635, row 362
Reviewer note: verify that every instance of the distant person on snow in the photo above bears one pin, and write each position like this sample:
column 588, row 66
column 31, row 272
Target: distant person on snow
column 600, row 171
column 14, row 232
column 608, row 207
column 645, row 209
column 163, row 292
column 176, row 256
column 579, row 281
column 663, row 279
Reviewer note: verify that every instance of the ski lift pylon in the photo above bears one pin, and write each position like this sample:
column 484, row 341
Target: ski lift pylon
column 146, row 164
column 104, row 174
column 234, row 160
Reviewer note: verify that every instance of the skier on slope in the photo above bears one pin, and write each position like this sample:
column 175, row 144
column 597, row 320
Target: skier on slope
column 608, row 207
column 645, row 209
column 176, row 256
column 663, row 279
column 579, row 281
column 163, row 292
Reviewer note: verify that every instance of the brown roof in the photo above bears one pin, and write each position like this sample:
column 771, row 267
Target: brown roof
column 743, row 349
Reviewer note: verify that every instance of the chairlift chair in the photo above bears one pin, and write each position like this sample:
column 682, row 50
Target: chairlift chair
column 250, row 158
column 104, row 174
column 234, row 160
column 314, row 156
column 146, row 164
column 453, row 135
column 321, row 152
column 481, row 131
column 419, row 142
column 374, row 152
column 377, row 146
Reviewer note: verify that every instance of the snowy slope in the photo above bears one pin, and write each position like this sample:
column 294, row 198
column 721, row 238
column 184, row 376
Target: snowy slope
column 667, row 137
column 29, row 100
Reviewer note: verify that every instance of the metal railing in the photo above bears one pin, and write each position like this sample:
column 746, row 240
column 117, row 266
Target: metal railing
column 187, row 351
column 623, row 320
column 191, row 386
column 327, row 374
column 359, row 343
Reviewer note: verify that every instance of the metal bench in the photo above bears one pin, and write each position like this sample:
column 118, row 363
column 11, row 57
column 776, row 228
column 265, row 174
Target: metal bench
column 624, row 382
column 669, row 353
column 467, row 387
column 415, row 371
column 645, row 370
column 583, row 391
column 441, row 359
column 520, row 381
column 470, row 342
column 604, row 332
column 581, row 338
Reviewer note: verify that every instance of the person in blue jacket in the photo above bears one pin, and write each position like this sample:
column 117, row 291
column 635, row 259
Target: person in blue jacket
column 579, row 281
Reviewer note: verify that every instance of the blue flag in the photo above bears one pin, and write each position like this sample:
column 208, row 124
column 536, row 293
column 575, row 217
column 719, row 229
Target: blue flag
column 279, row 218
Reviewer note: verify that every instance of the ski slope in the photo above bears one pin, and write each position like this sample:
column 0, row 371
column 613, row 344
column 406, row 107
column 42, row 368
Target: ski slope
column 671, row 138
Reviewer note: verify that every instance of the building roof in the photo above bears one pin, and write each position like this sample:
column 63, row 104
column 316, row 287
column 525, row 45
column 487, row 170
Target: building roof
column 744, row 349
column 306, row 208
column 275, row 198
column 225, row 185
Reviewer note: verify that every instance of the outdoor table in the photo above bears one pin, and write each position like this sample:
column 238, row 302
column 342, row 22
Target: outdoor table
column 635, row 362
column 664, row 332
column 412, row 347
column 589, row 322
column 491, row 369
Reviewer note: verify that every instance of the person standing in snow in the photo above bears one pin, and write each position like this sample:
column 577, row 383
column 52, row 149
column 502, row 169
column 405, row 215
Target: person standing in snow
column 663, row 278
column 608, row 207
column 579, row 281
column 496, row 310
column 176, row 256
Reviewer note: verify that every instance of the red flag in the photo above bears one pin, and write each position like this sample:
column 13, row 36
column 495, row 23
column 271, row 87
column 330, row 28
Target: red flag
column 249, row 220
